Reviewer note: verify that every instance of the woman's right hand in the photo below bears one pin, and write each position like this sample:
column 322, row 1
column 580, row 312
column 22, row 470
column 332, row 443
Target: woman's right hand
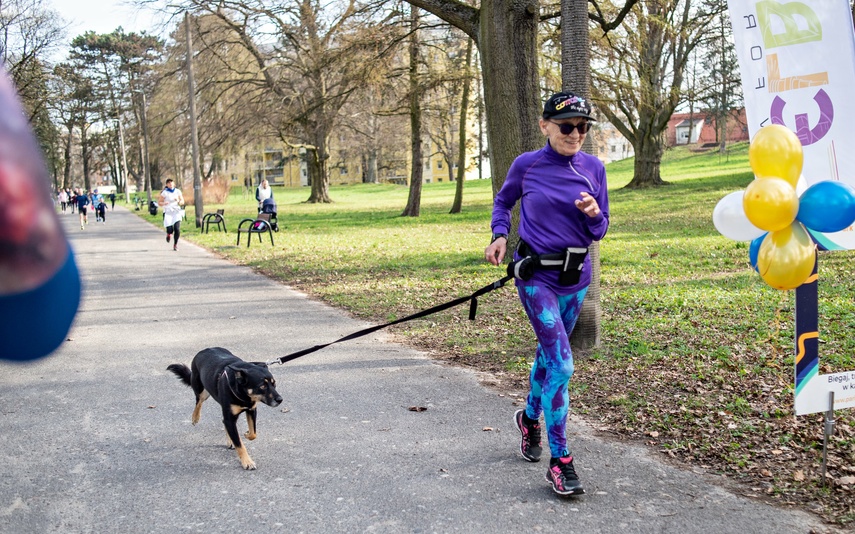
column 495, row 252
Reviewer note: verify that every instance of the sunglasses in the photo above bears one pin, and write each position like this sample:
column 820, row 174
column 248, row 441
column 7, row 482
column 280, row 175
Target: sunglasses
column 567, row 129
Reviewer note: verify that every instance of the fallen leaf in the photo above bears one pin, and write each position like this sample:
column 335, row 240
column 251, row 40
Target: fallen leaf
column 417, row 408
column 151, row 407
column 487, row 429
column 799, row 475
column 846, row 480
column 654, row 434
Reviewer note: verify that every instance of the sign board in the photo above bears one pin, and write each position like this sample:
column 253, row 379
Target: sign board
column 797, row 62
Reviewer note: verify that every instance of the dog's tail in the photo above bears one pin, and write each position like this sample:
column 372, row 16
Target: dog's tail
column 182, row 371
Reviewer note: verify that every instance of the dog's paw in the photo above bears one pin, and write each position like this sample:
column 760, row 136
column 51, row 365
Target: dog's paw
column 249, row 435
column 245, row 460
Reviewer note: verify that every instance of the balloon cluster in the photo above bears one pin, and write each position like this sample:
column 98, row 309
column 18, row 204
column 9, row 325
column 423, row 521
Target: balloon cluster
column 775, row 215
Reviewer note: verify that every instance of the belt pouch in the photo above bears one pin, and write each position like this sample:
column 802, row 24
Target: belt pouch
column 571, row 269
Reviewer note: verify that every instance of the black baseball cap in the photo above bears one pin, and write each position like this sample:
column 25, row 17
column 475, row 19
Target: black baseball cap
column 566, row 105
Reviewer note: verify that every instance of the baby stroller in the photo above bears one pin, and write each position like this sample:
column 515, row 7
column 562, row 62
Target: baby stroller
column 269, row 206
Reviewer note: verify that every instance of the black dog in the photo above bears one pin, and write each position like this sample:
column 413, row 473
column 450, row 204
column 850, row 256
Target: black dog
column 237, row 385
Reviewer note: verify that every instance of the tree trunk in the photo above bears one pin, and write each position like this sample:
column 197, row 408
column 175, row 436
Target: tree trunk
column 84, row 146
column 371, row 174
column 648, row 157
column 66, row 172
column 318, row 178
column 416, row 168
column 508, row 46
column 507, row 41
column 587, row 333
column 457, row 205
column 576, row 77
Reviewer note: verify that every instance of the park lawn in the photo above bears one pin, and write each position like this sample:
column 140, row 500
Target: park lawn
column 696, row 358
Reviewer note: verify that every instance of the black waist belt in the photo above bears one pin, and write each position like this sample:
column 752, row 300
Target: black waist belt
column 569, row 263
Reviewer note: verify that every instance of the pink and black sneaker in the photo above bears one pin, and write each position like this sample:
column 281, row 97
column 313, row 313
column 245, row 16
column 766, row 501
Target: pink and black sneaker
column 562, row 476
column 530, row 436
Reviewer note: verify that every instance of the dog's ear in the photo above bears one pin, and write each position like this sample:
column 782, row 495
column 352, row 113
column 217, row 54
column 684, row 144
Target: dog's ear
column 240, row 376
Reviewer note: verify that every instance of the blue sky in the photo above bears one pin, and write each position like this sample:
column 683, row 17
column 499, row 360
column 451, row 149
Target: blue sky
column 103, row 16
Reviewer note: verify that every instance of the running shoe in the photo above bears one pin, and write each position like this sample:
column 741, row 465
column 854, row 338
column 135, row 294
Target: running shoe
column 529, row 436
column 562, row 476
column 168, row 237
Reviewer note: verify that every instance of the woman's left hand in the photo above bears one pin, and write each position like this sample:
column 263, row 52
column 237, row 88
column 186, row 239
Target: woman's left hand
column 588, row 205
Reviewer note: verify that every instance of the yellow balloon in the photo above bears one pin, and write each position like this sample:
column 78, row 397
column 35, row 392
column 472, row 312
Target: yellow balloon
column 770, row 204
column 776, row 151
column 786, row 257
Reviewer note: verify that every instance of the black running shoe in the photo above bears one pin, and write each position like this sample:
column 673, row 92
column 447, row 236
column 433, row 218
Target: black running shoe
column 530, row 436
column 168, row 236
column 562, row 476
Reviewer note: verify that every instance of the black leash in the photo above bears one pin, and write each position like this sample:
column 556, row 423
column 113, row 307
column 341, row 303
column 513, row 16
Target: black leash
column 472, row 309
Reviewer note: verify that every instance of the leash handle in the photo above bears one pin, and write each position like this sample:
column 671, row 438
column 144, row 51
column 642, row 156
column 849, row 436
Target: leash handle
column 450, row 304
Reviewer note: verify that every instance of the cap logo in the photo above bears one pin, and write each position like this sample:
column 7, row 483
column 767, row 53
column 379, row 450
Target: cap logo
column 566, row 102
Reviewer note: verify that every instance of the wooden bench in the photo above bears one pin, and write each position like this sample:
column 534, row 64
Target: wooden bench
column 216, row 218
column 259, row 225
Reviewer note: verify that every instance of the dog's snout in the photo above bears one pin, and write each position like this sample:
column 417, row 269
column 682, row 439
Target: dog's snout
column 274, row 399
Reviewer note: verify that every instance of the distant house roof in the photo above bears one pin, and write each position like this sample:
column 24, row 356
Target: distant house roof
column 685, row 122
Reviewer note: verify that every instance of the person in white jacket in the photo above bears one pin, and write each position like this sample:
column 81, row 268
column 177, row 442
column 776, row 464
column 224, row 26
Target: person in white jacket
column 262, row 193
column 172, row 202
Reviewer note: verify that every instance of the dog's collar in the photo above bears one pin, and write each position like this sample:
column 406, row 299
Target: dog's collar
column 229, row 383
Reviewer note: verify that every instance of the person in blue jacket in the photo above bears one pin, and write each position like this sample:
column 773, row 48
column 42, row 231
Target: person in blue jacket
column 564, row 207
column 82, row 201
column 39, row 281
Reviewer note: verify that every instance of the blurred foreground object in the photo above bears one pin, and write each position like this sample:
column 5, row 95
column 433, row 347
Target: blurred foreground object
column 39, row 282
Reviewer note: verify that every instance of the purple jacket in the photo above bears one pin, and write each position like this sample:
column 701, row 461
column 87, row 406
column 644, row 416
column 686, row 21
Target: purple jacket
column 548, row 184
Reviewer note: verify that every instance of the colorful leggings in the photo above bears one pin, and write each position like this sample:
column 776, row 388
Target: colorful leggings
column 552, row 317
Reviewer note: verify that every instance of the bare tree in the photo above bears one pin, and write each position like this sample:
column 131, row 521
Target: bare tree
column 723, row 94
column 29, row 32
column 638, row 79
column 416, row 168
column 457, row 204
column 308, row 59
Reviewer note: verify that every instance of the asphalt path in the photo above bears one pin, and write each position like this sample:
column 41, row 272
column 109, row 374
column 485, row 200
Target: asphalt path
column 97, row 437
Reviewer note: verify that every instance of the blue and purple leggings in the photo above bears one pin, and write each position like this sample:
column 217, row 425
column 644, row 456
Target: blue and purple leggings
column 552, row 317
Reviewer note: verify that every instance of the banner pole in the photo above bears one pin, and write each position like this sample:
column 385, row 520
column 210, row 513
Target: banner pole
column 827, row 431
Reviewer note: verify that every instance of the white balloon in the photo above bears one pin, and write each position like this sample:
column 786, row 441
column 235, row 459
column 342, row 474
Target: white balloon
column 730, row 220
column 801, row 186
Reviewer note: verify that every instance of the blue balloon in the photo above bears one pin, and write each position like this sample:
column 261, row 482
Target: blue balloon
column 827, row 207
column 754, row 250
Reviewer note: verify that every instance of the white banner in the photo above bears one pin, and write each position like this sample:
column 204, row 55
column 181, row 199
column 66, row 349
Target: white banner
column 797, row 61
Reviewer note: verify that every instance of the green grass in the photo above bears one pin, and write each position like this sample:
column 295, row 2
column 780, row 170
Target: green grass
column 697, row 350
